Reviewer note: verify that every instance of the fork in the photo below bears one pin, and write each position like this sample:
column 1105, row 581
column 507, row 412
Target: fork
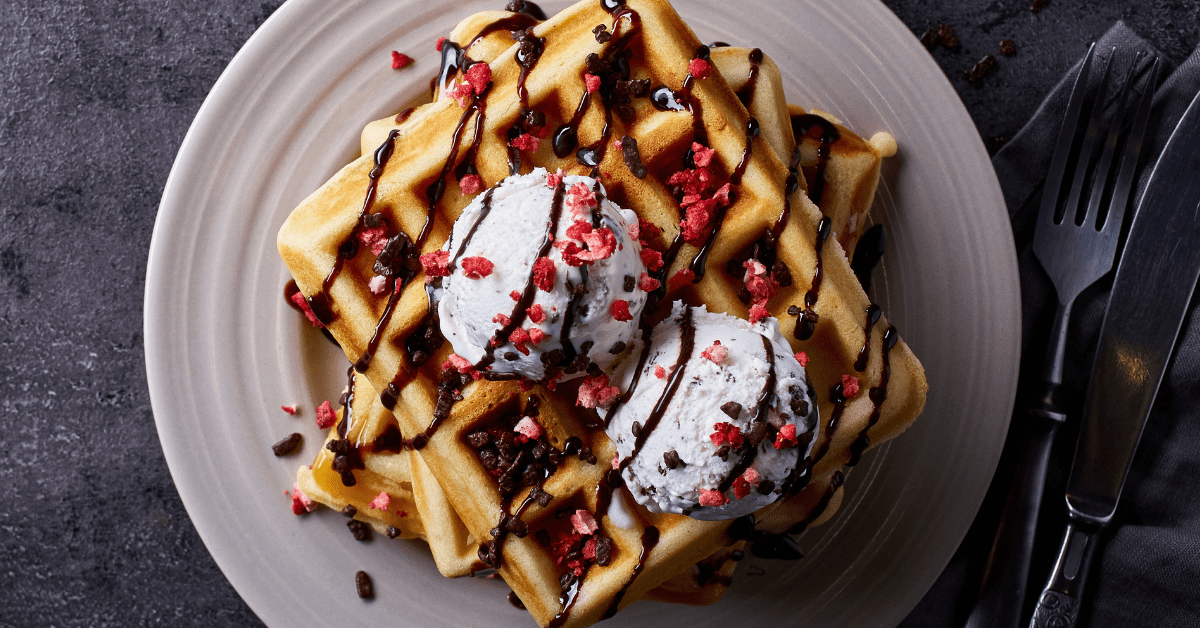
column 1075, row 244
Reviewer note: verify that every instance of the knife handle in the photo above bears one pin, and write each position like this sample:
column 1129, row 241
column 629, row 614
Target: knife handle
column 1058, row 606
column 1006, row 573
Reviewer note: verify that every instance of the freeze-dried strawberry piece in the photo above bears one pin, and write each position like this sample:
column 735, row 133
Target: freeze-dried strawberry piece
column 440, row 42
column 470, row 184
column 326, row 417
column 514, row 295
column 381, row 501
column 478, row 76
column 436, row 264
column 699, row 68
column 536, row 336
column 712, row 497
column 592, row 82
column 536, row 314
column 378, row 284
column 502, row 319
column 518, row 338
column 595, row 391
column 552, row 180
column 652, row 259
column 374, row 238
column 543, row 273
column 717, row 352
column 726, row 433
column 620, row 310
column 583, row 522
column 660, row 372
column 682, row 277
column 758, row 282
column 741, row 487
column 619, row 146
column 648, row 283
column 462, row 92
column 589, row 549
column 849, row 385
column 697, row 220
column 528, row 428
column 758, row 312
column 578, row 229
column 570, row 250
column 616, row 461
column 635, row 230
column 702, row 155
column 525, row 142
column 802, row 358
column 290, row 409
column 460, row 364
column 581, row 200
column 302, row 303
column 601, row 243
column 399, row 60
column 648, row 228
column 476, row 267
column 721, row 196
column 786, row 436
column 752, row 476
column 300, row 502
column 563, row 544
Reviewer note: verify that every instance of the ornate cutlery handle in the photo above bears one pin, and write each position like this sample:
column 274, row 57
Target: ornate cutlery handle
column 1058, row 606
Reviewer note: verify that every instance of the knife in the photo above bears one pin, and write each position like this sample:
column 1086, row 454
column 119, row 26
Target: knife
column 1151, row 291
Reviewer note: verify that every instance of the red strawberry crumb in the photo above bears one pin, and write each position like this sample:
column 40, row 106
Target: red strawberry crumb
column 436, row 264
column 699, row 68
column 399, row 60
column 760, row 284
column 589, row 549
column 726, row 433
column 648, row 228
column 682, row 277
column 752, row 476
column 620, row 310
column 616, row 461
column 849, row 385
column 301, row 504
column 402, row 513
column 577, row 229
column 648, row 283
column 802, row 358
column 717, row 352
column 529, row 428
column 536, row 336
column 758, row 312
column 552, row 180
column 543, row 274
column 536, row 314
column 514, row 295
column 292, row 409
column 479, row 75
column 570, row 250
column 652, row 259
column 601, row 244
column 722, row 195
column 302, row 303
column 477, row 267
column 378, row 284
column 519, row 337
column 440, row 42
column 502, row 319
column 712, row 497
column 462, row 93
column 326, row 417
column 580, row 200
column 374, row 238
column 584, row 522
column 702, row 154
column 525, row 142
column 693, row 225
column 592, row 82
column 381, row 501
column 635, row 231
column 619, row 146
column 595, row 391
column 786, row 436
column 741, row 487
column 552, row 383
column 458, row 363
column 470, row 184
column 660, row 372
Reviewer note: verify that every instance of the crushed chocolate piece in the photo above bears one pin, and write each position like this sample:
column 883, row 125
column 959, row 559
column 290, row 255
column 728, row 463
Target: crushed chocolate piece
column 361, row 531
column 630, row 283
column 723, row 452
column 362, row 582
column 793, row 310
column 984, row 67
column 288, row 445
column 543, row 537
column 636, row 429
column 633, row 159
column 671, row 458
column 392, row 532
column 602, row 34
column 603, row 550
column 929, row 39
column 617, row 348
column 350, row 511
column 391, row 261
column 946, row 36
column 1008, row 48
column 479, row 439
column 731, row 408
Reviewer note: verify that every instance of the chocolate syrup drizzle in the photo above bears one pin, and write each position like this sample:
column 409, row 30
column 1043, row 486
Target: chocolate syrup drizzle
column 687, row 343
column 806, row 324
column 746, row 93
column 864, row 354
column 877, row 395
column 801, row 126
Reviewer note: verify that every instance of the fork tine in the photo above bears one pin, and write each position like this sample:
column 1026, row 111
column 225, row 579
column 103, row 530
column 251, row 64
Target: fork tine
column 1133, row 150
column 1104, row 167
column 1062, row 149
column 1072, row 206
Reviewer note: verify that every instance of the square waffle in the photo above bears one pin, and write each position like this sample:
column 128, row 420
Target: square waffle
column 387, row 336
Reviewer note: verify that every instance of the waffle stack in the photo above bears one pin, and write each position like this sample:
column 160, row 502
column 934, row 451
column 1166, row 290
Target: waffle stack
column 408, row 186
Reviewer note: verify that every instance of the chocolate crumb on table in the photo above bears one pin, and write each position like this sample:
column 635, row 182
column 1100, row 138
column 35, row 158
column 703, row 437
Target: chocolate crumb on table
column 1038, row 5
column 946, row 36
column 1008, row 48
column 984, row 67
column 929, row 39
column 288, row 445
column 362, row 582
column 361, row 531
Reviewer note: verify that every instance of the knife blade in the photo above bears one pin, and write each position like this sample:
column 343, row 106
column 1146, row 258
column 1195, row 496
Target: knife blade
column 1155, row 279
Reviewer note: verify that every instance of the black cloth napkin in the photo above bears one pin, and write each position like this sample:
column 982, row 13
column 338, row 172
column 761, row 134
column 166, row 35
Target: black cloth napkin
column 1147, row 570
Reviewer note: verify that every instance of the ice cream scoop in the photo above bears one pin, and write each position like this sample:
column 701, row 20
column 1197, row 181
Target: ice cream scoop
column 540, row 278
column 719, row 419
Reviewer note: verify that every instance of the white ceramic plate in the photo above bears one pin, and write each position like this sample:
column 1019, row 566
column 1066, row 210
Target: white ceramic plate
column 223, row 350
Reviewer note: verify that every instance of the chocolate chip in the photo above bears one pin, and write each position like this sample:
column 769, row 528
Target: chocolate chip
column 732, row 409
column 723, row 452
column 540, row 496
column 586, row 347
column 617, row 348
column 633, row 159
column 479, row 439
column 566, row 580
column 630, row 283
column 603, row 550
column 543, row 537
column 288, row 445
column 982, row 68
column 602, row 34
column 392, row 532
column 535, row 119
column 765, row 487
column 1008, row 47
column 350, row 511
column 946, row 36
column 671, row 457
column 793, row 310
column 636, row 429
column 373, row 221
column 511, row 356
column 362, row 582
column 361, row 531
column 517, row 527
column 391, row 260
column 595, row 65
column 782, row 274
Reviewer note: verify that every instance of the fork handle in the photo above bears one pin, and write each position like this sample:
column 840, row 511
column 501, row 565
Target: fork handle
column 1006, row 573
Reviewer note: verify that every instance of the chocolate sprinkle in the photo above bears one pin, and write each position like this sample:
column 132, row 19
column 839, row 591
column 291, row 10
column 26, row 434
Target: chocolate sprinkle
column 633, row 159
column 288, row 445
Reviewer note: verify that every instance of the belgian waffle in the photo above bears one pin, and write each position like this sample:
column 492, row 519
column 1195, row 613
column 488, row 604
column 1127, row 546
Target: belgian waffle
column 388, row 339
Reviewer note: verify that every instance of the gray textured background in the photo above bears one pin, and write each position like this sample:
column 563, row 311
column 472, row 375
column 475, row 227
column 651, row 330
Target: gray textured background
column 95, row 97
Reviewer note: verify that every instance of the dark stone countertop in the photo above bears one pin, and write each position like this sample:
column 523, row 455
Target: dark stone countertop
column 96, row 98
